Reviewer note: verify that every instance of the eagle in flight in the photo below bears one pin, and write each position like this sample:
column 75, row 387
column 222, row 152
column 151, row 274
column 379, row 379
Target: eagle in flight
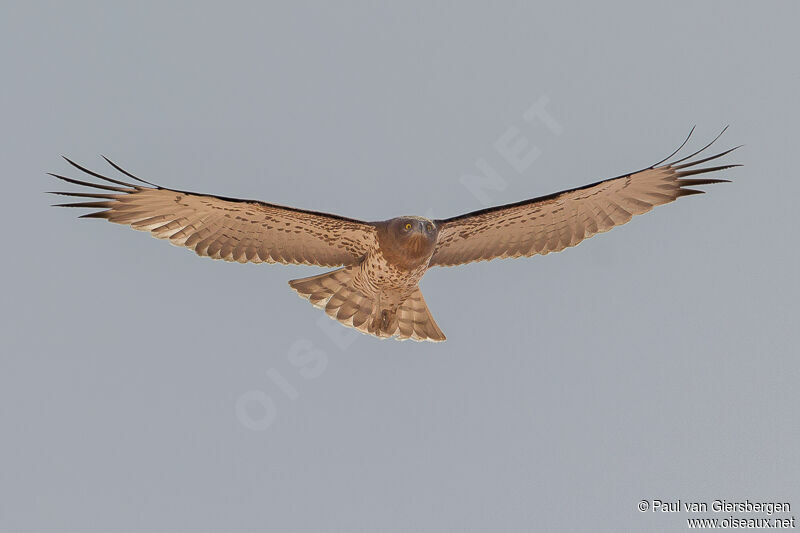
column 375, row 287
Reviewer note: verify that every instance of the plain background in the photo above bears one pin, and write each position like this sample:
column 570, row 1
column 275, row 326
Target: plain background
column 654, row 361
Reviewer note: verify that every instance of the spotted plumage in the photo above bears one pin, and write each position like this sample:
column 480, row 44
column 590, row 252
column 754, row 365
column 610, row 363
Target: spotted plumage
column 376, row 289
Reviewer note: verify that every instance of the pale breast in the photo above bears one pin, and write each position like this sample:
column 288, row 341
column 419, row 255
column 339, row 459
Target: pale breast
column 378, row 276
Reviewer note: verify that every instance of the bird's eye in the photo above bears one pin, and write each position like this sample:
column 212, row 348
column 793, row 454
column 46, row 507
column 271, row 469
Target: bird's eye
column 408, row 226
column 429, row 227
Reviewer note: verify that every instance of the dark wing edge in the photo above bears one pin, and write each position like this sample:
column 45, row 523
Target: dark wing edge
column 221, row 227
column 676, row 181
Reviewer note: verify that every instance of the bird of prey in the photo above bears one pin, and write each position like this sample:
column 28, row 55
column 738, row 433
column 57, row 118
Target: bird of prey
column 375, row 287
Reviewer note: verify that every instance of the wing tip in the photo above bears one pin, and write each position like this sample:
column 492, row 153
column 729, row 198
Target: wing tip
column 120, row 169
column 96, row 214
column 85, row 204
column 676, row 164
column 682, row 174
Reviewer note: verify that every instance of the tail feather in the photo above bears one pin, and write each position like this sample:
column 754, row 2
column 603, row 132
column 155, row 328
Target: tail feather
column 414, row 320
column 336, row 293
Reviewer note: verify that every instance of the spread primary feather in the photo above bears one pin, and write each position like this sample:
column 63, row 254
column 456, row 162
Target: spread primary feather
column 376, row 290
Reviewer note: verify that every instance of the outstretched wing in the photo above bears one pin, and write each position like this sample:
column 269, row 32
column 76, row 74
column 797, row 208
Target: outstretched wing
column 557, row 221
column 226, row 228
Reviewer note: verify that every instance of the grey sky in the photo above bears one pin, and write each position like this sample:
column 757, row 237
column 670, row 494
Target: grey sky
column 654, row 361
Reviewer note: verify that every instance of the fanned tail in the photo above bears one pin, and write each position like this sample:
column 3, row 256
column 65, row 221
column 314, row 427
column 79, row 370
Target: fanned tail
column 335, row 292
column 416, row 322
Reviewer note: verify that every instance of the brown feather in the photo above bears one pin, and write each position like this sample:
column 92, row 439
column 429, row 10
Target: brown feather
column 228, row 228
column 557, row 221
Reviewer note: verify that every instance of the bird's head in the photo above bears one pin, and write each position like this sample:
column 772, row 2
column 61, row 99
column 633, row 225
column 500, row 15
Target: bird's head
column 414, row 238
